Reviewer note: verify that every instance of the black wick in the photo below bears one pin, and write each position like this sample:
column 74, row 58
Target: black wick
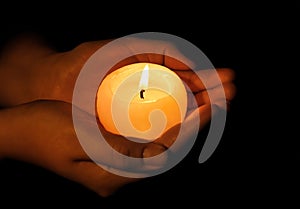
column 142, row 93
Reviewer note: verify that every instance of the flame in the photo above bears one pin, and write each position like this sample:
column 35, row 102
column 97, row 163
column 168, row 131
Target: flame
column 144, row 77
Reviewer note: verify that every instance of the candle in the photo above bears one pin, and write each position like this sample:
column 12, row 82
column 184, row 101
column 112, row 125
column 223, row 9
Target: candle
column 130, row 101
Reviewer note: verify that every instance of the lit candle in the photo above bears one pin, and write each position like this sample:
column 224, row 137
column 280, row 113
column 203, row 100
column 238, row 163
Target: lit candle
column 130, row 101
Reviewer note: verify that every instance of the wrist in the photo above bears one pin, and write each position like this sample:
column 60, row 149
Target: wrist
column 15, row 132
column 8, row 130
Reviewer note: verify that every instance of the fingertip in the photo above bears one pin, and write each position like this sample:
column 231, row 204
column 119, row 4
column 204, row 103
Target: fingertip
column 228, row 73
column 153, row 149
column 230, row 90
column 175, row 64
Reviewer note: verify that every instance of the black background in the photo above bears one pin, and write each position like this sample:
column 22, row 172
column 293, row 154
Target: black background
column 244, row 169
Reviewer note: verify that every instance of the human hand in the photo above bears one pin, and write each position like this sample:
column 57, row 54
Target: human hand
column 39, row 72
column 57, row 80
column 43, row 134
column 60, row 71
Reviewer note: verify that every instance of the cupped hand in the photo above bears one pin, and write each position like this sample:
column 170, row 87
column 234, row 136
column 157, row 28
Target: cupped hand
column 44, row 135
column 42, row 73
column 49, row 138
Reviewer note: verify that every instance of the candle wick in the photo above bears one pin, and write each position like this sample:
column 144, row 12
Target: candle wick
column 142, row 93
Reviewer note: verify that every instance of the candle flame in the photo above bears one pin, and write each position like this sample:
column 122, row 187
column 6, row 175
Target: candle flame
column 144, row 77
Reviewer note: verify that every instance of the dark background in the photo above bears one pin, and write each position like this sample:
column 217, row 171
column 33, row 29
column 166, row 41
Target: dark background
column 246, row 167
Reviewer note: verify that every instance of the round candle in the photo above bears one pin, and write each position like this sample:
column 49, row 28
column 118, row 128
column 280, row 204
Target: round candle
column 131, row 100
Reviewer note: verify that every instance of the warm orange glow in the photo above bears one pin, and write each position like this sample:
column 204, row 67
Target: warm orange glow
column 141, row 100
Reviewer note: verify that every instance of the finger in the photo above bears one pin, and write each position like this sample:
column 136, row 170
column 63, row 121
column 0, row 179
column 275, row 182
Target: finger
column 135, row 50
column 203, row 113
column 176, row 64
column 121, row 144
column 194, row 122
column 141, row 151
column 112, row 149
column 156, row 58
column 134, row 149
column 169, row 137
column 206, row 79
column 140, row 50
column 125, row 146
column 130, row 148
column 150, row 57
column 226, row 92
column 159, row 51
column 159, row 59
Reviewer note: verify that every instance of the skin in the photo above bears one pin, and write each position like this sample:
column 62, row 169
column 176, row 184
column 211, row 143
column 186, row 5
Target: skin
column 36, row 86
